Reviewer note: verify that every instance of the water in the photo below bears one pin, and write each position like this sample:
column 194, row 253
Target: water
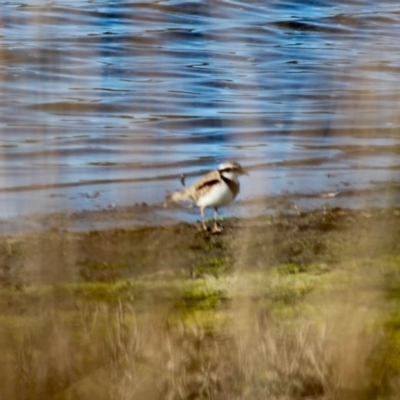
column 104, row 104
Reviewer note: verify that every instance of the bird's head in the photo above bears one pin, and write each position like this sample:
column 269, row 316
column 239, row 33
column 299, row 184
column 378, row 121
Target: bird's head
column 231, row 170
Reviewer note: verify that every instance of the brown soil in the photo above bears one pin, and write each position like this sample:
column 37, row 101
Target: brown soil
column 324, row 236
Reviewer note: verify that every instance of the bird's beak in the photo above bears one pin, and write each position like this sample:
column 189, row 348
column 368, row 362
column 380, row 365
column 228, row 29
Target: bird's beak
column 244, row 172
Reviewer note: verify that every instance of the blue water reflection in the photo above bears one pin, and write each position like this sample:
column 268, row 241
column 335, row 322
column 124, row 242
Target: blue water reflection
column 120, row 98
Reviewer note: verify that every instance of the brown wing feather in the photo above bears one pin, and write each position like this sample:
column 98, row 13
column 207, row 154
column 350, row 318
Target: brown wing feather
column 208, row 184
column 197, row 189
column 201, row 186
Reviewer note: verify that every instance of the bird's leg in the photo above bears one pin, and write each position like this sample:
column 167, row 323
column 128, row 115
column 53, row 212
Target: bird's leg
column 216, row 228
column 203, row 219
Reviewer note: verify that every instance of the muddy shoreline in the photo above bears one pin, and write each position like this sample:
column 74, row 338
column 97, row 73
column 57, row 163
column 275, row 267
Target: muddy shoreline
column 381, row 195
column 320, row 236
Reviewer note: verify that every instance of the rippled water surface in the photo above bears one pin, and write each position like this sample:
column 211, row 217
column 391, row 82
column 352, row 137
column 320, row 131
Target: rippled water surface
column 107, row 103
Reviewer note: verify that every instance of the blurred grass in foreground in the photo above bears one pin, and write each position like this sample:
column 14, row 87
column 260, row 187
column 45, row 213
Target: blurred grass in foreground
column 244, row 315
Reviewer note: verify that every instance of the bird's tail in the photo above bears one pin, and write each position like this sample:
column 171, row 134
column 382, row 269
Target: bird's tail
column 179, row 195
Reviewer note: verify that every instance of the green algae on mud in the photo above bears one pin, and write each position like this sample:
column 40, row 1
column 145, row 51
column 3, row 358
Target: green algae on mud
column 280, row 307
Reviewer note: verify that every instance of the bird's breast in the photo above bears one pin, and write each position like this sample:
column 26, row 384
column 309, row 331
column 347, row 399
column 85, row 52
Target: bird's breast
column 218, row 195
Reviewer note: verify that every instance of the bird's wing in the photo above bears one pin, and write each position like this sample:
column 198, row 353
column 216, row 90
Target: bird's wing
column 203, row 185
column 208, row 184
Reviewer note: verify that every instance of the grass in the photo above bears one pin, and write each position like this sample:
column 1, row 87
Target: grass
column 327, row 329
column 271, row 334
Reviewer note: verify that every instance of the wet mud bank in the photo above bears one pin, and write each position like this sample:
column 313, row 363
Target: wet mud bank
column 328, row 236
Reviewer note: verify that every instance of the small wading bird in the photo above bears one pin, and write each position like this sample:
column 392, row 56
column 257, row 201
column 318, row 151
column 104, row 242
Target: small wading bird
column 215, row 189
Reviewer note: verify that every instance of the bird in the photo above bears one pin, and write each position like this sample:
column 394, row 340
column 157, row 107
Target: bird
column 215, row 189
